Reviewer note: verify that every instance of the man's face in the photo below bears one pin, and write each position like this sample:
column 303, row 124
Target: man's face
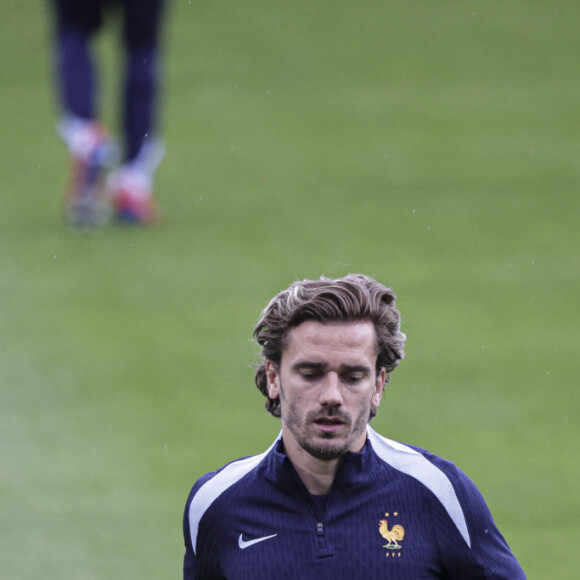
column 327, row 383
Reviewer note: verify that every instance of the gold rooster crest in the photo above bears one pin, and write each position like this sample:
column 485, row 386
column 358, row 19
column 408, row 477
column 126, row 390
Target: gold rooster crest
column 393, row 536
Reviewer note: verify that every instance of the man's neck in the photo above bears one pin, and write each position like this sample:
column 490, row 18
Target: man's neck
column 316, row 474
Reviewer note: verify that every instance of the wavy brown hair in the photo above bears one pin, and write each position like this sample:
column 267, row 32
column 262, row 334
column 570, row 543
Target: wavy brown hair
column 353, row 298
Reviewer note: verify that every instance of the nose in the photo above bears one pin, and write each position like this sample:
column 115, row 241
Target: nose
column 331, row 393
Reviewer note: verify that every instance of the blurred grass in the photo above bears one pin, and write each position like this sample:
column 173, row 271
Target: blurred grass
column 432, row 145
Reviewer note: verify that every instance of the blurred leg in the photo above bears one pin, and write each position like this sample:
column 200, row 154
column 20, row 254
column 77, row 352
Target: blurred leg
column 141, row 38
column 88, row 143
column 131, row 187
column 76, row 22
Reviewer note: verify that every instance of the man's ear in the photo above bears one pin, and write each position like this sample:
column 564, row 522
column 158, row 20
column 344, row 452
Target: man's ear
column 379, row 387
column 273, row 380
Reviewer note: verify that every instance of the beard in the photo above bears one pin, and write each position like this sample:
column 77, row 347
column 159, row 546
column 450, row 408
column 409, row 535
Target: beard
column 324, row 452
column 326, row 446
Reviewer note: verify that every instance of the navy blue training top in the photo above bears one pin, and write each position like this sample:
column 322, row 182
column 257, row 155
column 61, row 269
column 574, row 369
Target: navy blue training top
column 394, row 511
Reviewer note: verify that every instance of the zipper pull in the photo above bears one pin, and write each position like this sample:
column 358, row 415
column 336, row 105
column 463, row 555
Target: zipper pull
column 323, row 550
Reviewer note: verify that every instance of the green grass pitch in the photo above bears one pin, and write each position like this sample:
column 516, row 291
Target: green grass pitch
column 434, row 145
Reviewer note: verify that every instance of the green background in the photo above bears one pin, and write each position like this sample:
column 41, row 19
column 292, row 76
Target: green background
column 433, row 145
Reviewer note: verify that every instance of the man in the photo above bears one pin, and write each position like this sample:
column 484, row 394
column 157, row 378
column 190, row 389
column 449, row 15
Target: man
column 331, row 498
column 130, row 188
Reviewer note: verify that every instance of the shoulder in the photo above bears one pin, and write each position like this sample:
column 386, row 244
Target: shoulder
column 459, row 507
column 447, row 483
column 440, row 475
column 211, row 486
column 426, row 467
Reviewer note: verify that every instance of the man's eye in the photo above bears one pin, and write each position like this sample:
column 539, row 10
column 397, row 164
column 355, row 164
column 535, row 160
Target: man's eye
column 353, row 379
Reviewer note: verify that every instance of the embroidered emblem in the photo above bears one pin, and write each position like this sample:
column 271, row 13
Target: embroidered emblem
column 393, row 536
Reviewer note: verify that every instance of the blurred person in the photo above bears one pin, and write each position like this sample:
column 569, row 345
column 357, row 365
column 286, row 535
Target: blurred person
column 129, row 189
column 331, row 498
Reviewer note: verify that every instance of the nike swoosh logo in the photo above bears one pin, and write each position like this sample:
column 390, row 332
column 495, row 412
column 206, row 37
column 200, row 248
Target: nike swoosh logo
column 243, row 544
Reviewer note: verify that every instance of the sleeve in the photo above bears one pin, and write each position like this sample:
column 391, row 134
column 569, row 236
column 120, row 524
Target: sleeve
column 488, row 556
column 189, row 558
column 200, row 560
